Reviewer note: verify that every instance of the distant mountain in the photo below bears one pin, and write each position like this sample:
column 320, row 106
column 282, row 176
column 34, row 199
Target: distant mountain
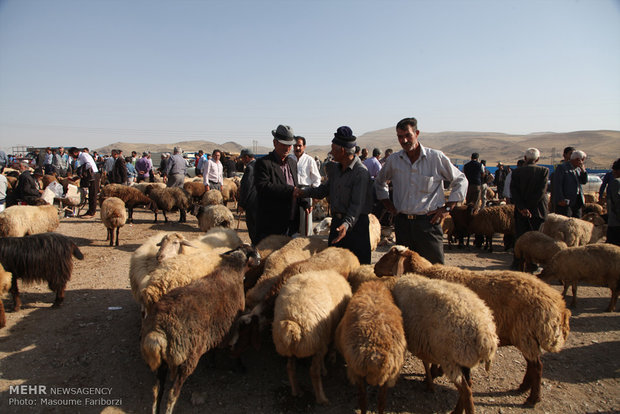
column 602, row 147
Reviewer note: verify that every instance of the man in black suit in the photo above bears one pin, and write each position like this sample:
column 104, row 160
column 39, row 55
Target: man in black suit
column 568, row 178
column 275, row 178
column 527, row 189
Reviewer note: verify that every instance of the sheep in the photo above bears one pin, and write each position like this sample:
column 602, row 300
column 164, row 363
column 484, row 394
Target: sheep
column 294, row 251
column 306, row 314
column 322, row 228
column 374, row 229
column 169, row 199
column 320, row 209
column 38, row 258
column 221, row 237
column 528, row 314
column 371, row 338
column 214, row 216
column 229, row 190
column 593, row 263
column 195, row 189
column 113, row 216
column 447, row 324
column 18, row 221
column 491, row 220
column 574, row 231
column 536, row 247
column 5, row 285
column 265, row 247
column 593, row 208
column 131, row 196
column 211, row 197
column 447, row 225
column 461, row 216
column 143, row 186
column 190, row 320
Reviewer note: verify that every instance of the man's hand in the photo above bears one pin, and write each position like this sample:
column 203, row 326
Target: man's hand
column 342, row 231
column 298, row 193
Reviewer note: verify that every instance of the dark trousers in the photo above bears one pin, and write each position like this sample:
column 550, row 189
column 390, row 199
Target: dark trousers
column 420, row 236
column 357, row 238
column 250, row 221
column 572, row 210
column 93, row 190
column 613, row 235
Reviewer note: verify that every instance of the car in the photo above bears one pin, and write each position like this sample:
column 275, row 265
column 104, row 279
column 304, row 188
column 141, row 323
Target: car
column 593, row 184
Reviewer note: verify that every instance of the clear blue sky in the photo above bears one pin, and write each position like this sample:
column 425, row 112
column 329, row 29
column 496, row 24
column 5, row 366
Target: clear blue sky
column 90, row 73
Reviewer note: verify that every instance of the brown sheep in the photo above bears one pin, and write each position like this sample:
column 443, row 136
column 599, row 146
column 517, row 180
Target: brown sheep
column 5, row 285
column 195, row 189
column 131, row 196
column 113, row 216
column 169, row 199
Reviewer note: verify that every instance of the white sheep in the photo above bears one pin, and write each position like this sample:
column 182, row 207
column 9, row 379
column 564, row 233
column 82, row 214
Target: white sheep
column 214, row 216
column 536, row 247
column 574, row 231
column 374, row 229
column 306, row 314
column 221, row 238
column 371, row 338
column 598, row 264
column 113, row 216
column 19, row 221
column 212, row 197
column 528, row 313
column 446, row 324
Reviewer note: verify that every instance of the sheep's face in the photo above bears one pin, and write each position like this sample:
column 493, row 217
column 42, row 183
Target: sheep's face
column 385, row 265
column 171, row 245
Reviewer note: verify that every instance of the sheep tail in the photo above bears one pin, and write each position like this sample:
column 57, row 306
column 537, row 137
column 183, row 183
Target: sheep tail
column 290, row 332
column 154, row 345
column 77, row 253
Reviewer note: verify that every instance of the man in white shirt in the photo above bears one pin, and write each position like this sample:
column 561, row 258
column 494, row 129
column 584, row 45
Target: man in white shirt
column 89, row 178
column 213, row 172
column 307, row 176
column 417, row 174
column 372, row 164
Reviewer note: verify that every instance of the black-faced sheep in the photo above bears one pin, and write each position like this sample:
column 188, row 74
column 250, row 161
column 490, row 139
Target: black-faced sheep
column 528, row 314
column 42, row 257
column 535, row 247
column 190, row 320
column 214, row 216
column 574, row 231
column 18, row 221
column 598, row 264
column 371, row 338
column 306, row 314
column 113, row 216
column 446, row 324
column 5, row 285
column 131, row 196
column 169, row 199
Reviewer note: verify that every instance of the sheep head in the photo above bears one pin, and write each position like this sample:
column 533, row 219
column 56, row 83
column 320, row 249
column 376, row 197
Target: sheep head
column 245, row 254
column 172, row 245
column 393, row 262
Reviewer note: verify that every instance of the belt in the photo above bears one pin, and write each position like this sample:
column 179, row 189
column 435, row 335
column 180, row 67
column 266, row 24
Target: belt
column 414, row 216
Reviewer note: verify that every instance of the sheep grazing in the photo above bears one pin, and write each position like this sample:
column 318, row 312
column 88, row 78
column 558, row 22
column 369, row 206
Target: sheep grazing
column 42, row 257
column 574, row 231
column 190, row 320
column 371, row 338
column 131, row 196
column 598, row 264
column 195, row 189
column 169, row 199
column 18, row 221
column 528, row 314
column 214, row 216
column 211, row 198
column 535, row 247
column 5, row 285
column 306, row 314
column 490, row 220
column 446, row 324
column 113, row 216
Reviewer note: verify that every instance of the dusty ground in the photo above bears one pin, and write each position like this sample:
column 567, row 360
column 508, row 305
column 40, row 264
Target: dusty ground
column 91, row 343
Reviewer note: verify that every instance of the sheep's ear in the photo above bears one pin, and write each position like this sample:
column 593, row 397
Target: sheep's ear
column 159, row 244
column 399, row 266
column 187, row 243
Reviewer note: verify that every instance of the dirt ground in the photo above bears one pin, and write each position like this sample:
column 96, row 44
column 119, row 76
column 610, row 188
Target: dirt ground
column 89, row 348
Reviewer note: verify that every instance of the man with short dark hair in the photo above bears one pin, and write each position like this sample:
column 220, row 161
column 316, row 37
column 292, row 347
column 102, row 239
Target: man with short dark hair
column 89, row 178
column 118, row 174
column 247, row 194
column 474, row 172
column 613, row 205
column 372, row 164
column 307, row 175
column 213, row 172
column 417, row 174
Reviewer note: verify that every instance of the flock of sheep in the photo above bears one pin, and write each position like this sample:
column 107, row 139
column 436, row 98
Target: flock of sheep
column 214, row 291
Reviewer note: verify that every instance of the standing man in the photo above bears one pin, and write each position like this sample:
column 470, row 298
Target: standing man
column 202, row 158
column 175, row 169
column 247, row 194
column 4, row 185
column 275, row 178
column 613, row 205
column 213, row 172
column 118, row 174
column 527, row 189
column 372, row 164
column 474, row 171
column 349, row 188
column 567, row 181
column 308, row 176
column 500, row 179
column 417, row 174
column 89, row 178
column 143, row 167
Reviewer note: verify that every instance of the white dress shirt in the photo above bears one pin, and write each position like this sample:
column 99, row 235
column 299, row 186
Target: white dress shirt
column 212, row 171
column 85, row 158
column 307, row 171
column 418, row 187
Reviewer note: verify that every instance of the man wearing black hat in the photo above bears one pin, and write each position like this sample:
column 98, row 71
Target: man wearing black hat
column 275, row 178
column 417, row 174
column 350, row 194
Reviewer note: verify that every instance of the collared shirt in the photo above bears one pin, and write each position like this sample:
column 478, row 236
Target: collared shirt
column 176, row 165
column 418, row 187
column 201, row 162
column 212, row 171
column 307, row 171
column 373, row 165
column 85, row 158
column 350, row 191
